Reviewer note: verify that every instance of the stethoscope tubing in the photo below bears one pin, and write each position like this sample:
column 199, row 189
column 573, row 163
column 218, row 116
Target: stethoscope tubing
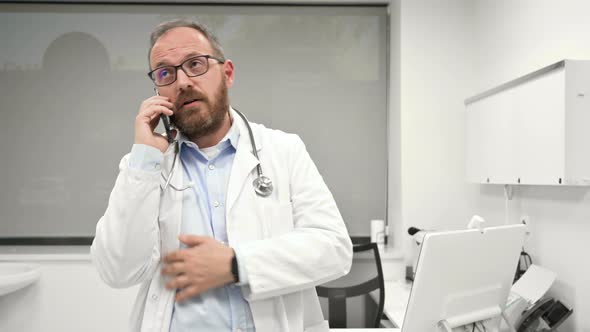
column 262, row 184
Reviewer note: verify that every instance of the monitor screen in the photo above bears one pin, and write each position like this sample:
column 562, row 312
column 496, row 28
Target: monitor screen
column 463, row 277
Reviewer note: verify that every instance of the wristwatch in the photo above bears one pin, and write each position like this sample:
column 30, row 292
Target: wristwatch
column 234, row 268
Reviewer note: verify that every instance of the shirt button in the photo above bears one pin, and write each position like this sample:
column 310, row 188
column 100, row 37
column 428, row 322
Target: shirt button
column 211, row 166
column 154, row 297
column 216, row 204
column 157, row 166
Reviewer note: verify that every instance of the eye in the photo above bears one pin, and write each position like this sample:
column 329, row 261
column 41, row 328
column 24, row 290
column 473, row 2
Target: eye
column 195, row 63
column 163, row 73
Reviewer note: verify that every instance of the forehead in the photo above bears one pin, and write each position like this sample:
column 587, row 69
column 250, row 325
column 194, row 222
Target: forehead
column 175, row 44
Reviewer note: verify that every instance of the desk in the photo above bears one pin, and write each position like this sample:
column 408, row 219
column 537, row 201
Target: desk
column 397, row 295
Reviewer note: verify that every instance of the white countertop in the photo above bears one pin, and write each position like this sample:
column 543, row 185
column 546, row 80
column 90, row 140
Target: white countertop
column 44, row 253
column 385, row 254
column 397, row 294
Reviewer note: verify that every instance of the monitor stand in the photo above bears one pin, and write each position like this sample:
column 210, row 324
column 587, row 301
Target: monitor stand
column 448, row 324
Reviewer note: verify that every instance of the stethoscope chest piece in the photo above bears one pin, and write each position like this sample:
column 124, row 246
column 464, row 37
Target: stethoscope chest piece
column 262, row 186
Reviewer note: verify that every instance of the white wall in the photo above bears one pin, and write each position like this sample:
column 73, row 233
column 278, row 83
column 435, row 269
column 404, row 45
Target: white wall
column 436, row 76
column 451, row 50
column 514, row 38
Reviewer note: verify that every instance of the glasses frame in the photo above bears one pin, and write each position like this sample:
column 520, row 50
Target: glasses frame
column 206, row 56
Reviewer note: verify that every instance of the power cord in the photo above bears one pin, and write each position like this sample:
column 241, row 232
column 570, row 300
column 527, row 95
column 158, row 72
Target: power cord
column 484, row 327
column 475, row 326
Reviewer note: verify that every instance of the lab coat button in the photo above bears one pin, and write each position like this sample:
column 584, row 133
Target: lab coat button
column 216, row 203
column 154, row 297
column 211, row 167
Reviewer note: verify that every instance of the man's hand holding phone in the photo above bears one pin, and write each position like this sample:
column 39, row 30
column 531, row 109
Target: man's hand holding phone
column 147, row 120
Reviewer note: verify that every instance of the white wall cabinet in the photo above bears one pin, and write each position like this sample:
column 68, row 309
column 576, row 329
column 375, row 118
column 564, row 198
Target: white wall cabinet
column 532, row 130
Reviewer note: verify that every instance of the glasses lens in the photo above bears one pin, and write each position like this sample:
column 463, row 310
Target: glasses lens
column 164, row 75
column 195, row 66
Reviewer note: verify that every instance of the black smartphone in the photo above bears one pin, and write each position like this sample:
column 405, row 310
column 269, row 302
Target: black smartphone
column 166, row 122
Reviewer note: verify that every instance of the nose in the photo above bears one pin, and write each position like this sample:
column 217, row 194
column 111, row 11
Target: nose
column 182, row 80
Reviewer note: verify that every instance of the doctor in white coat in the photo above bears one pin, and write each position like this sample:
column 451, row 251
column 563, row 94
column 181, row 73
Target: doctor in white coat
column 273, row 250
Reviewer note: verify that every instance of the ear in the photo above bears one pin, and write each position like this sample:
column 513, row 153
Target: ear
column 228, row 71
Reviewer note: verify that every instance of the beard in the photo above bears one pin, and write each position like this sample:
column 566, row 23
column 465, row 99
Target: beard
column 204, row 119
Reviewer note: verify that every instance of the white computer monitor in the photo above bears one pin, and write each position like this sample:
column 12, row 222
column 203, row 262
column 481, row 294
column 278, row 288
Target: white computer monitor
column 463, row 277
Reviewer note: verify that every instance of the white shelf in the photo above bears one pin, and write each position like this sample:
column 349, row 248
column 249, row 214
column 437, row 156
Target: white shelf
column 532, row 130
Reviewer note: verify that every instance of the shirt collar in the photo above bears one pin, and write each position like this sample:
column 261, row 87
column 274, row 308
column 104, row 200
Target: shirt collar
column 232, row 135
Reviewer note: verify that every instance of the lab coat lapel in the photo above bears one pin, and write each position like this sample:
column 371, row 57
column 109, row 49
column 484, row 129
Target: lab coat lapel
column 244, row 161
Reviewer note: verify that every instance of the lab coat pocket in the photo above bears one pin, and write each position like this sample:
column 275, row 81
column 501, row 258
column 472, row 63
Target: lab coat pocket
column 281, row 219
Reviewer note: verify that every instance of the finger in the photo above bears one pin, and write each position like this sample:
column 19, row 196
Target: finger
column 174, row 256
column 152, row 102
column 153, row 111
column 161, row 102
column 152, row 98
column 160, row 136
column 155, row 120
column 187, row 293
column 151, row 118
column 193, row 240
column 174, row 268
column 179, row 282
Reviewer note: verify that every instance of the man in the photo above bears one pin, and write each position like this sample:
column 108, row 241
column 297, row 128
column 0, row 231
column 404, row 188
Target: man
column 185, row 220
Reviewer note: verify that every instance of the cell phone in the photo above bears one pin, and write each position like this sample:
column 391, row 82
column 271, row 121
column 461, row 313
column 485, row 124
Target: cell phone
column 166, row 122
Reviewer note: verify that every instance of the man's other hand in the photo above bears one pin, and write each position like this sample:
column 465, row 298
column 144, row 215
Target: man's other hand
column 204, row 265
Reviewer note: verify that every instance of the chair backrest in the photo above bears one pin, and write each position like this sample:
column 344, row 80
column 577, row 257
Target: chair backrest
column 337, row 296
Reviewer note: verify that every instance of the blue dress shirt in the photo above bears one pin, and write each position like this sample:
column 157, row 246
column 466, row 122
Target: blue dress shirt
column 221, row 309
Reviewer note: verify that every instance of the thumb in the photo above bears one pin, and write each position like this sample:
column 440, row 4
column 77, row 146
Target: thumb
column 192, row 240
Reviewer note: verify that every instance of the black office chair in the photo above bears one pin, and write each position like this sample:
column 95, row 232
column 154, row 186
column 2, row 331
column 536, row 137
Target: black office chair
column 337, row 296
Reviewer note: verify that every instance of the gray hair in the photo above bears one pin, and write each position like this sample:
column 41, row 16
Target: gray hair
column 164, row 27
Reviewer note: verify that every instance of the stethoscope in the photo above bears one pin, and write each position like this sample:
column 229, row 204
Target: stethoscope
column 262, row 184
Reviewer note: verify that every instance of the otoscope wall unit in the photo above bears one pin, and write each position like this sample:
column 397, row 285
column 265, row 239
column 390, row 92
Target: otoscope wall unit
column 533, row 130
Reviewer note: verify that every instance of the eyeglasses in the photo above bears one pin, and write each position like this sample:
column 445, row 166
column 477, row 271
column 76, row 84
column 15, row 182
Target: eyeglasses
column 192, row 67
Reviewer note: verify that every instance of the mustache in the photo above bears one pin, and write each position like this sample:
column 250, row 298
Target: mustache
column 183, row 97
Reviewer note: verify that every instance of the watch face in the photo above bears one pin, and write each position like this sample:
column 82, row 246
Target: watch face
column 234, row 269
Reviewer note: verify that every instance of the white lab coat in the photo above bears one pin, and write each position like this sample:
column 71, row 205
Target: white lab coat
column 290, row 241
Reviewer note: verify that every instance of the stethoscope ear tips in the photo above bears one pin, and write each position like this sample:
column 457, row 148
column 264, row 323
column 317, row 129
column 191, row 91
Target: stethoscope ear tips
column 262, row 186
